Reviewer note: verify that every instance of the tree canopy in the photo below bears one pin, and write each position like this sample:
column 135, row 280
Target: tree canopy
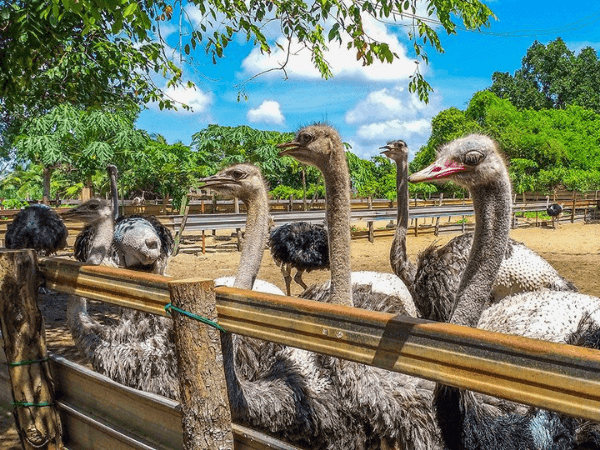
column 552, row 77
column 547, row 149
column 91, row 52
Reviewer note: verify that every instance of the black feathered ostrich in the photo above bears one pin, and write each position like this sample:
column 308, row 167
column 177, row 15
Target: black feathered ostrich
column 37, row 227
column 299, row 245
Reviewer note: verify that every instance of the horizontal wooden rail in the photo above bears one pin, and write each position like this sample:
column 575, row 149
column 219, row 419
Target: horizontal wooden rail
column 560, row 377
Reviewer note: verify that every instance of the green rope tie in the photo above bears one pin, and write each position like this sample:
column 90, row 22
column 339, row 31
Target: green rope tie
column 26, row 404
column 25, row 363
column 169, row 307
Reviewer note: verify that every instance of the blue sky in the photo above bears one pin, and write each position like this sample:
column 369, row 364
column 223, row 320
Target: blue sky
column 372, row 105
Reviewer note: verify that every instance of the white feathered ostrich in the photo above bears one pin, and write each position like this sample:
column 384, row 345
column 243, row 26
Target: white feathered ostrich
column 434, row 281
column 37, row 227
column 299, row 245
column 395, row 408
column 475, row 163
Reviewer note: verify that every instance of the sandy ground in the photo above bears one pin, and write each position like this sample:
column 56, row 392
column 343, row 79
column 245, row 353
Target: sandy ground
column 573, row 249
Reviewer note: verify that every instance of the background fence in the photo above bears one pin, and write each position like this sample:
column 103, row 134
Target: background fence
column 436, row 214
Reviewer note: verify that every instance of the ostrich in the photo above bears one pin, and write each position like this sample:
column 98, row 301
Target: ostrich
column 434, row 280
column 37, row 227
column 475, row 162
column 138, row 243
column 395, row 408
column 131, row 242
column 284, row 393
column 299, row 245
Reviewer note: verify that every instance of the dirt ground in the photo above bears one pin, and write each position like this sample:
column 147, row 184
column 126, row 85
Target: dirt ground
column 573, row 249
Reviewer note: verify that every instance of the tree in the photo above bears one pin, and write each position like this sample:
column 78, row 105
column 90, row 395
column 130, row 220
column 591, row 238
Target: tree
column 80, row 142
column 552, row 76
column 547, row 149
column 167, row 170
column 87, row 42
column 219, row 146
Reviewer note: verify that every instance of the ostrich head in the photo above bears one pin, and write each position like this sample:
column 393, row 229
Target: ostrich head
column 472, row 161
column 396, row 150
column 243, row 181
column 317, row 145
column 90, row 212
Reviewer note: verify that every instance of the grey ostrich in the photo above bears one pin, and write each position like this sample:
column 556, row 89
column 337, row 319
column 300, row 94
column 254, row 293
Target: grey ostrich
column 395, row 408
column 133, row 243
column 37, row 227
column 299, row 245
column 268, row 384
column 475, row 162
column 309, row 147
column 434, row 281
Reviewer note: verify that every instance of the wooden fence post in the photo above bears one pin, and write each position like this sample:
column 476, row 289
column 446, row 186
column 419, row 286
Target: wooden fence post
column 574, row 205
column 371, row 231
column 206, row 417
column 35, row 413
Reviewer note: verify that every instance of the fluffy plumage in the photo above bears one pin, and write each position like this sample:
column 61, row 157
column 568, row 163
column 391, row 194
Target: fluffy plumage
column 439, row 272
column 475, row 162
column 139, row 243
column 302, row 244
column 435, row 279
column 299, row 245
column 554, row 210
column 37, row 227
column 394, row 409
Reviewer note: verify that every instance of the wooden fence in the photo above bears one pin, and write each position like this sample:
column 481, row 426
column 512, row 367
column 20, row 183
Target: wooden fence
column 426, row 216
column 542, row 374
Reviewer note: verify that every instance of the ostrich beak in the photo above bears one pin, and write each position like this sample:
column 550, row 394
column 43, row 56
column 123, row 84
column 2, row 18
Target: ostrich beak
column 288, row 148
column 217, row 180
column 386, row 151
column 436, row 171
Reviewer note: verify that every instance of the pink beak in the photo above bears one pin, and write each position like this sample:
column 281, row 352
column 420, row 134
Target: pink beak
column 436, row 171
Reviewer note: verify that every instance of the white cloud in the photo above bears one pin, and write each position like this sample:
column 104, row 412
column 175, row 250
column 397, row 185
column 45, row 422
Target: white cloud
column 342, row 61
column 389, row 114
column 195, row 98
column 268, row 112
column 390, row 103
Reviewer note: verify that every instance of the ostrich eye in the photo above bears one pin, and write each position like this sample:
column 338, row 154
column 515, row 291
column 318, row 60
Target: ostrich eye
column 305, row 138
column 238, row 174
column 94, row 206
column 473, row 158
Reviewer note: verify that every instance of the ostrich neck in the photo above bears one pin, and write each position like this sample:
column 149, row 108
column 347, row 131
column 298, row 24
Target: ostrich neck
column 102, row 242
column 242, row 393
column 255, row 240
column 399, row 261
column 492, row 204
column 337, row 185
column 114, row 194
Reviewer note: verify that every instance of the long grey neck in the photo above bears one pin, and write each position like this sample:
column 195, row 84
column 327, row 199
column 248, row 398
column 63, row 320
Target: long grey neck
column 401, row 265
column 492, row 204
column 114, row 194
column 255, row 240
column 243, row 395
column 337, row 187
column 101, row 242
